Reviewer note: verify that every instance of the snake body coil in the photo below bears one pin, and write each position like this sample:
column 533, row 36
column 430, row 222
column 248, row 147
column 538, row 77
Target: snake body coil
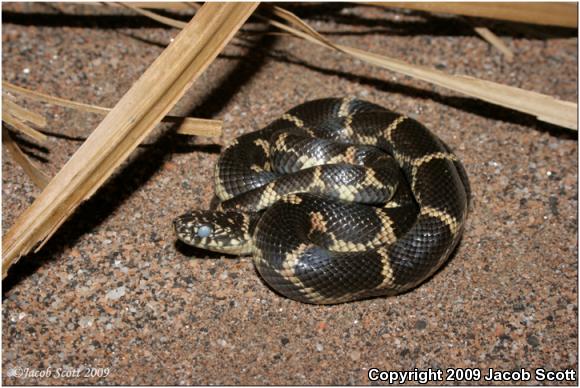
column 337, row 200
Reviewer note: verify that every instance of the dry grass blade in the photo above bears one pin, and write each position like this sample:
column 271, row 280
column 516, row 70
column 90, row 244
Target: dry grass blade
column 121, row 131
column 36, row 176
column 197, row 127
column 545, row 108
column 547, row 13
column 23, row 114
column 177, row 6
column 302, row 25
column 6, row 86
column 496, row 42
column 160, row 18
column 187, row 125
column 19, row 126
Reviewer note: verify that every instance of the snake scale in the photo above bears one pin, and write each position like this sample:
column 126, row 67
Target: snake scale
column 339, row 199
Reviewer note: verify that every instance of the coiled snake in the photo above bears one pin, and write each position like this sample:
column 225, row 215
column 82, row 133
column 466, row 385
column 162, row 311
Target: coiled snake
column 337, row 200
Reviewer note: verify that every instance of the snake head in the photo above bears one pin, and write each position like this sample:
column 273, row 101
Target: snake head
column 225, row 232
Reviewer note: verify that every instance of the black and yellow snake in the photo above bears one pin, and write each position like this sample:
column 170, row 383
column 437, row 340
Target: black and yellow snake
column 337, row 200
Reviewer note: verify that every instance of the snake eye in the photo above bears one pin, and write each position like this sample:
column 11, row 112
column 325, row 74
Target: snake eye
column 204, row 231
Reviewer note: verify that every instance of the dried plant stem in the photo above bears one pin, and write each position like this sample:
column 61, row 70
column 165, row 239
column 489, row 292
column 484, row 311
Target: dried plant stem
column 548, row 13
column 496, row 42
column 160, row 18
column 543, row 107
column 121, row 131
column 23, row 114
column 159, row 5
column 187, row 125
column 21, row 127
column 36, row 176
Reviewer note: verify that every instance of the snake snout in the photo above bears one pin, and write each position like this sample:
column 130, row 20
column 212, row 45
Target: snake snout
column 184, row 227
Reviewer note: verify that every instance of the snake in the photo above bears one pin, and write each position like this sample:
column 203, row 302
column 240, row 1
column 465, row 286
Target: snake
column 337, row 200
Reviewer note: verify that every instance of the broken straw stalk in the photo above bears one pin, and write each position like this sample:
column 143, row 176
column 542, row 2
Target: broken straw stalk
column 186, row 125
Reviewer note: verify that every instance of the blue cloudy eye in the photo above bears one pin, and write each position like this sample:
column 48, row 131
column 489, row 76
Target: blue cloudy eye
column 204, row 231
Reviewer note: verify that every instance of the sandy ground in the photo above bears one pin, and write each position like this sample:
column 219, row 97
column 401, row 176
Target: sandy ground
column 114, row 295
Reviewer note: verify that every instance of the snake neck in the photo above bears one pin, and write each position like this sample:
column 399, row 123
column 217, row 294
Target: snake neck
column 245, row 236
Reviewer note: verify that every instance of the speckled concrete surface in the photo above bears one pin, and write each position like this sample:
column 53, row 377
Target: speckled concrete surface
column 113, row 291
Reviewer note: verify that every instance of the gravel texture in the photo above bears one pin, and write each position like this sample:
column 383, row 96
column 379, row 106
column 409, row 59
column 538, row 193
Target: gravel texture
column 114, row 292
